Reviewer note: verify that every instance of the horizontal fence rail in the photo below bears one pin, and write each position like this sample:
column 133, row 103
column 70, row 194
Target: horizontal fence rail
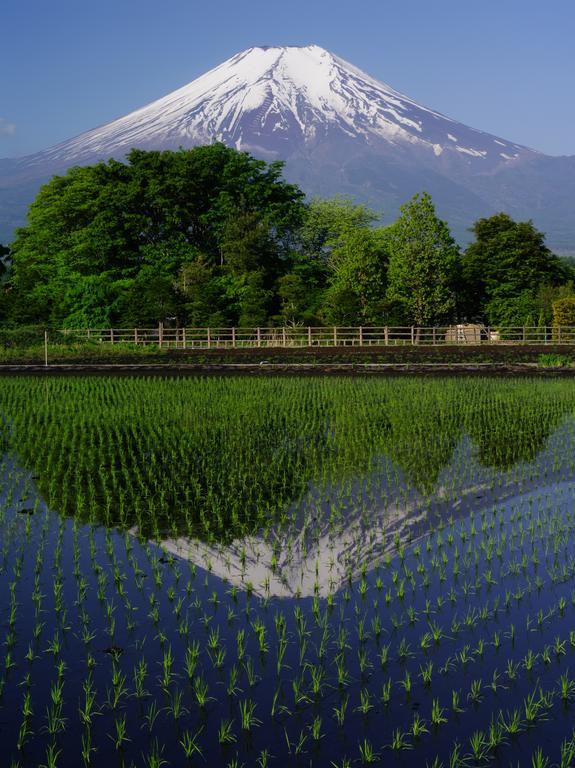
column 309, row 336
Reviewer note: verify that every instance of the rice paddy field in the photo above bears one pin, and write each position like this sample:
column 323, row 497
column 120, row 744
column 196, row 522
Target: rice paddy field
column 287, row 572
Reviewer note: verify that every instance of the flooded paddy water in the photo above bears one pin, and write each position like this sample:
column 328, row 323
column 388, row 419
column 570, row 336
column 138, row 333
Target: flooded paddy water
column 287, row 572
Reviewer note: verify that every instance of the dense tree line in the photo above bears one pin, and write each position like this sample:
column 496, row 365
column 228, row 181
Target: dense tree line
column 214, row 237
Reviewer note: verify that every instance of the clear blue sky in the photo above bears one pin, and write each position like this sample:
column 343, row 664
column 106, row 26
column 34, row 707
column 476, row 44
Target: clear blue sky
column 504, row 66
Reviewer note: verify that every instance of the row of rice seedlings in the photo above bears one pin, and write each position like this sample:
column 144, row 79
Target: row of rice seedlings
column 133, row 464
column 314, row 654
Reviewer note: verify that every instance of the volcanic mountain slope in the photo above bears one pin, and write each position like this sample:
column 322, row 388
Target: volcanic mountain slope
column 339, row 131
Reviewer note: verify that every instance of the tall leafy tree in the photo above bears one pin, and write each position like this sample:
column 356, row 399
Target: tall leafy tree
column 423, row 265
column 204, row 294
column 299, row 296
column 349, row 257
column 102, row 235
column 327, row 220
column 504, row 271
column 356, row 292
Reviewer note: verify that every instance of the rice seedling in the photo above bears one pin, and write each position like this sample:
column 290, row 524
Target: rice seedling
column 247, row 716
column 120, row 737
column 418, row 726
column 190, row 745
column 226, row 734
column 367, row 753
column 437, row 714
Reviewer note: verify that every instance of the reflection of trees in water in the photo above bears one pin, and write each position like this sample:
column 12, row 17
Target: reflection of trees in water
column 221, row 459
column 515, row 430
column 201, row 488
column 509, row 425
column 423, row 436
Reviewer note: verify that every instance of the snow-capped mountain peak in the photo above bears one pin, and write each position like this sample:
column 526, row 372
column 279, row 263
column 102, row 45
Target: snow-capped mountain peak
column 339, row 131
column 274, row 100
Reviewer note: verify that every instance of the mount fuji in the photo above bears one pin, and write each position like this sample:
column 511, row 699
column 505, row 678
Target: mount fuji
column 338, row 131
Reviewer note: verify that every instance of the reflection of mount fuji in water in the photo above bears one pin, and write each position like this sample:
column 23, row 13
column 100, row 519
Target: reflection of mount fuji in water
column 320, row 483
column 312, row 557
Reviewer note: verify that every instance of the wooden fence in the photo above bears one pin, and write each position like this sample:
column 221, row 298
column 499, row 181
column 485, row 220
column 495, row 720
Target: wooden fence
column 298, row 337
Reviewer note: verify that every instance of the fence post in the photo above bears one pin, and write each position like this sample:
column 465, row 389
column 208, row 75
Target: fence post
column 284, row 337
column 184, row 340
column 111, row 335
column 386, row 335
column 412, row 335
column 361, row 336
column 334, row 336
column 434, row 335
column 309, row 336
column 234, row 337
column 259, row 335
column 45, row 349
column 160, row 334
column 135, row 335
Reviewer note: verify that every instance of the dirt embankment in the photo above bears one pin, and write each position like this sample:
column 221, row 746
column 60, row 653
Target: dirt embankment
column 417, row 355
column 483, row 360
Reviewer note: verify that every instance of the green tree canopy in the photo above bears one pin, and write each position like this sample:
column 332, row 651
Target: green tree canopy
column 356, row 291
column 101, row 235
column 504, row 270
column 423, row 265
column 338, row 274
column 214, row 237
column 327, row 220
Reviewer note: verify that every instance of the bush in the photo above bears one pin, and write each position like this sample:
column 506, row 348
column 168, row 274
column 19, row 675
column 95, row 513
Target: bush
column 554, row 361
column 564, row 318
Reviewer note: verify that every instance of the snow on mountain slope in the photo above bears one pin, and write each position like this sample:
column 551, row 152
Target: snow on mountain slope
column 277, row 100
